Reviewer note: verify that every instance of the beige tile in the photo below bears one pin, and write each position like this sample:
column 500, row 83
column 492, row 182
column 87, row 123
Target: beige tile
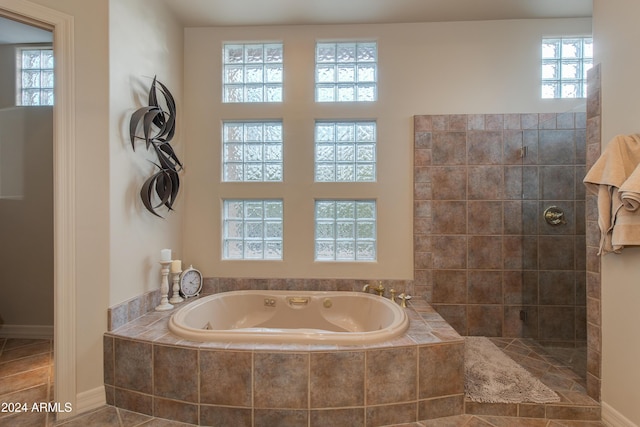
column 175, row 373
column 281, row 380
column 225, row 378
column 133, row 365
column 175, row 410
column 337, row 379
column 337, row 417
column 391, row 375
column 217, row 416
column 24, row 380
column 441, row 370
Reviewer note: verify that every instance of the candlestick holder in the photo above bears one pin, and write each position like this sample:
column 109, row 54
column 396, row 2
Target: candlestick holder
column 176, row 298
column 164, row 287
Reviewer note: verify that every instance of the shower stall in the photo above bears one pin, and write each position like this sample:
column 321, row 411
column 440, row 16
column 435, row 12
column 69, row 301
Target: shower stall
column 499, row 226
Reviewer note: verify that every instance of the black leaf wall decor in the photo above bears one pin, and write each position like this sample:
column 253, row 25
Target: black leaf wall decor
column 158, row 128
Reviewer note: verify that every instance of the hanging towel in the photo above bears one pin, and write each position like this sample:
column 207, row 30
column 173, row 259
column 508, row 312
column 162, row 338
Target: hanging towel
column 610, row 172
column 630, row 191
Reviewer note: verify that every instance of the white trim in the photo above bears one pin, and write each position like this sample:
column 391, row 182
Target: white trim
column 90, row 399
column 613, row 418
column 27, row 331
column 64, row 223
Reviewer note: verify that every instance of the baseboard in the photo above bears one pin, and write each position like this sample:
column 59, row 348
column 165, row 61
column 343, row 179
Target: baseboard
column 613, row 418
column 27, row 331
column 90, row 399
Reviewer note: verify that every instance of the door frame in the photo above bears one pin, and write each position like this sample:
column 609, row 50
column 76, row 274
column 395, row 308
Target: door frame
column 64, row 192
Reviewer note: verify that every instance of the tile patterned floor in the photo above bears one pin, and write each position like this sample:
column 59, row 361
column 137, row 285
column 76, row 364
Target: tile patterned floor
column 26, row 375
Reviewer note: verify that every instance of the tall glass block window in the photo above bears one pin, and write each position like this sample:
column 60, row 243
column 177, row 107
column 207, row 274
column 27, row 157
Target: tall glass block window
column 252, row 72
column 345, row 151
column 252, row 229
column 346, row 71
column 252, row 151
column 345, row 230
column 565, row 62
column 35, row 76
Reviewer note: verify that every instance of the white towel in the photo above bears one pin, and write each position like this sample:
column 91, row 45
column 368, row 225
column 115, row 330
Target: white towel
column 616, row 165
column 630, row 191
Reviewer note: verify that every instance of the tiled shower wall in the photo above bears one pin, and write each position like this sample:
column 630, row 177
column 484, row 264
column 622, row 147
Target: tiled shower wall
column 594, row 304
column 484, row 256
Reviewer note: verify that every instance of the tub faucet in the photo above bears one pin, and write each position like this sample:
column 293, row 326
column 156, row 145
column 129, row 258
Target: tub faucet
column 379, row 289
column 365, row 288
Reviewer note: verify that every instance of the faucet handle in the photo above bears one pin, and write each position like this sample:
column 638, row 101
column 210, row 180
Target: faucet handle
column 392, row 295
column 403, row 299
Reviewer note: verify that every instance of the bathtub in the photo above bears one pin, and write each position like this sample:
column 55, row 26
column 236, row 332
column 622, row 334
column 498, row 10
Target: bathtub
column 290, row 317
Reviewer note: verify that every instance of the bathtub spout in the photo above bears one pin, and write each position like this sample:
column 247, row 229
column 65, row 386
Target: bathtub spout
column 365, row 288
column 379, row 289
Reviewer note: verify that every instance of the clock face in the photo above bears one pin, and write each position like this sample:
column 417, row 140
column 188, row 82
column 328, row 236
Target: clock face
column 191, row 283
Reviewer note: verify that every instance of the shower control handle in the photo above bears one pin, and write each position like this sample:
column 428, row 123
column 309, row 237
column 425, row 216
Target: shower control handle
column 554, row 216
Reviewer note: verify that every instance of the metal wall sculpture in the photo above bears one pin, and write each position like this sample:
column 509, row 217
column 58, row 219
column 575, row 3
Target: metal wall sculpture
column 158, row 128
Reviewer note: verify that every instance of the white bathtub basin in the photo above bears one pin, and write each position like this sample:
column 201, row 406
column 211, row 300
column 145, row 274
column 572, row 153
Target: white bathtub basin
column 290, row 317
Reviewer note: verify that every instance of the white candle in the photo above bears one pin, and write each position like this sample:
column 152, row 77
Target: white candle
column 176, row 266
column 165, row 255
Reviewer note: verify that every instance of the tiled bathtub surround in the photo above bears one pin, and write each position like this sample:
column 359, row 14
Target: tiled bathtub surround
column 129, row 310
column 483, row 252
column 415, row 377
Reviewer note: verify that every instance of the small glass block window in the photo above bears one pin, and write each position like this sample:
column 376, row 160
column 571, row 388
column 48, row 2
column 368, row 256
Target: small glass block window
column 252, row 151
column 35, row 76
column 252, row 72
column 345, row 151
column 346, row 72
column 252, row 229
column 565, row 62
column 345, row 230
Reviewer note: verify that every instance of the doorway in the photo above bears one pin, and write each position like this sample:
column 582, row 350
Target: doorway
column 64, row 223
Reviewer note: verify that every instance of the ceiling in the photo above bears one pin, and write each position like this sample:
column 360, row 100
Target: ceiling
column 198, row 13
column 13, row 32
column 195, row 13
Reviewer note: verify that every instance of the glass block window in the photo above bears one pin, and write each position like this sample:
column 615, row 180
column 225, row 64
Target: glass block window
column 565, row 62
column 346, row 71
column 345, row 151
column 252, row 229
column 35, row 76
column 252, row 151
column 345, row 230
column 252, row 72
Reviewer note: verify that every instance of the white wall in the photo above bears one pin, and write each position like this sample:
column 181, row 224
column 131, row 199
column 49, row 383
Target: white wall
column 101, row 116
column 616, row 36
column 26, row 220
column 144, row 41
column 92, row 182
column 436, row 68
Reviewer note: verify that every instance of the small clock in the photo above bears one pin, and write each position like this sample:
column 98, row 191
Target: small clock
column 190, row 282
